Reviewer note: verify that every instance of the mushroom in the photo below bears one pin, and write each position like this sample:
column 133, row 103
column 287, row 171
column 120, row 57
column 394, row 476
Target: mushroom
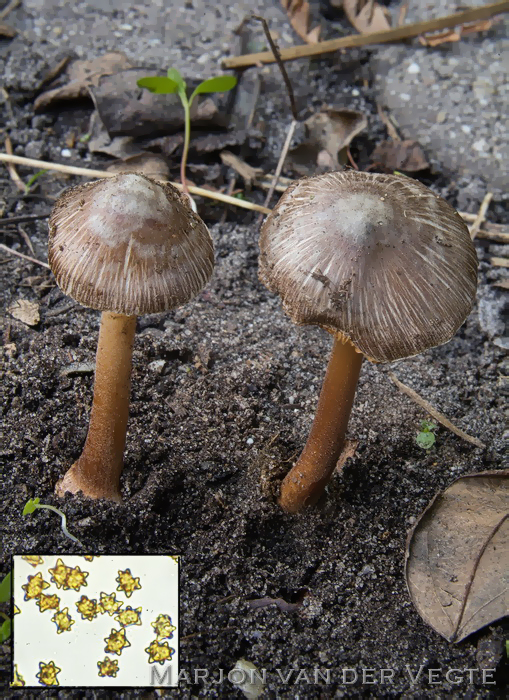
column 380, row 262
column 125, row 246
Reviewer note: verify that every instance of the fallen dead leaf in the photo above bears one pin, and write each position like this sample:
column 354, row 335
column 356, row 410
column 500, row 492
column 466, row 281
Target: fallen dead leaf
column 328, row 132
column 25, row 311
column 400, row 155
column 452, row 35
column 298, row 14
column 150, row 164
column 8, row 32
column 457, row 556
column 81, row 76
column 366, row 16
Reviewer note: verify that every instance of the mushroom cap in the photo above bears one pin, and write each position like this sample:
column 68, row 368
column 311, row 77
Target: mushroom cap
column 379, row 259
column 129, row 245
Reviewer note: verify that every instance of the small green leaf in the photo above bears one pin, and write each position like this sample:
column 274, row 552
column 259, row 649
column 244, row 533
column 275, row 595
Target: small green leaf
column 428, row 426
column 30, row 506
column 425, row 440
column 174, row 74
column 33, row 179
column 159, row 85
column 5, row 588
column 5, row 631
column 222, row 83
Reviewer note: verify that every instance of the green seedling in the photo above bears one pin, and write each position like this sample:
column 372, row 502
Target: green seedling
column 5, row 596
column 426, row 437
column 174, row 83
column 33, row 503
column 33, row 179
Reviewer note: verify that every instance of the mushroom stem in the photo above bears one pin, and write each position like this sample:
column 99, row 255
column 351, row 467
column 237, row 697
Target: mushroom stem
column 306, row 481
column 97, row 471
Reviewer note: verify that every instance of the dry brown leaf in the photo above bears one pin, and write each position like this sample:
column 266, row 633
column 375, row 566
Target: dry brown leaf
column 457, row 556
column 328, row 132
column 400, row 155
column 366, row 16
column 149, row 164
column 81, row 75
column 298, row 14
column 25, row 311
column 7, row 31
column 455, row 35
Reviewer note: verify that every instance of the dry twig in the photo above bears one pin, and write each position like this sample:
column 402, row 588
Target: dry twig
column 295, row 120
column 396, row 34
column 474, row 229
column 433, row 412
column 85, row 172
column 12, row 170
column 9, row 8
column 22, row 255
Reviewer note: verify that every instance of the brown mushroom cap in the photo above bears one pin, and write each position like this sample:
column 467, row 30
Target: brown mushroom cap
column 380, row 259
column 128, row 245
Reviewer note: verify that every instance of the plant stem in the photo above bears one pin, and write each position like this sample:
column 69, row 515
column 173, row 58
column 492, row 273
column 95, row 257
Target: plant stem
column 97, row 471
column 306, row 481
column 63, row 518
column 187, row 137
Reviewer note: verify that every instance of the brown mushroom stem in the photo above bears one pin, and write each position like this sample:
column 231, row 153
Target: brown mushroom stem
column 97, row 471
column 306, row 481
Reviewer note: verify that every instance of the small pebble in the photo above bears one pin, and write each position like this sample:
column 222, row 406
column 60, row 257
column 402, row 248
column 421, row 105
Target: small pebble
column 65, row 153
column 413, row 68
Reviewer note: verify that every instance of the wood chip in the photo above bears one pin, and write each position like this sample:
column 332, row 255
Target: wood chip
column 499, row 262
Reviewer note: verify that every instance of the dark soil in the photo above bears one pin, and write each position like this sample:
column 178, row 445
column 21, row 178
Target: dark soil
column 223, row 396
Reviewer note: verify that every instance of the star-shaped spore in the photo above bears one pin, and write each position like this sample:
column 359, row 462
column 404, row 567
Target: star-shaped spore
column 35, row 586
column 76, row 578
column 107, row 667
column 116, row 642
column 127, row 582
column 48, row 602
column 87, row 608
column 163, row 627
column 63, row 621
column 109, row 604
column 48, row 673
column 32, row 559
column 129, row 616
column 159, row 652
column 59, row 574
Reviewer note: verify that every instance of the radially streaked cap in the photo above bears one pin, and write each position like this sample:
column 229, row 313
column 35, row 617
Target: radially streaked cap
column 129, row 245
column 379, row 259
